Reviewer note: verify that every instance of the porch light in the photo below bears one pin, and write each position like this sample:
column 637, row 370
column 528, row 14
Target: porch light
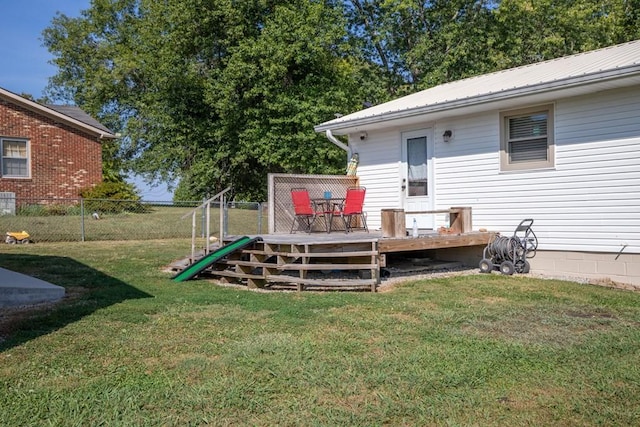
column 446, row 136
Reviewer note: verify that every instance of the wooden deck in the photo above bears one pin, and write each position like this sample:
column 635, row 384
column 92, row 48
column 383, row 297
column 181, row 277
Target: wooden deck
column 326, row 261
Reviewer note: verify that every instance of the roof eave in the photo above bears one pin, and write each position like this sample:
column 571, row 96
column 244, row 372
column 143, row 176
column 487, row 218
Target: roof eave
column 46, row 111
column 535, row 89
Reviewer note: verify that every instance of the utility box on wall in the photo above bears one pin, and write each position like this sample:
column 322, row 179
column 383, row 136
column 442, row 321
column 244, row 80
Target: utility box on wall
column 7, row 203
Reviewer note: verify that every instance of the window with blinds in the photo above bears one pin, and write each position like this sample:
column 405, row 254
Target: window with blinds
column 15, row 158
column 527, row 139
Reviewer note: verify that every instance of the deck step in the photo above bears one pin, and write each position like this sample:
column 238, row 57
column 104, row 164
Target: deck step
column 313, row 254
column 246, row 263
column 230, row 273
column 322, row 282
column 325, row 266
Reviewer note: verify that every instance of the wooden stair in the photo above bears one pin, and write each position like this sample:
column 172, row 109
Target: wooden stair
column 318, row 265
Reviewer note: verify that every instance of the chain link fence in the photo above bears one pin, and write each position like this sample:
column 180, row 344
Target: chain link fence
column 69, row 220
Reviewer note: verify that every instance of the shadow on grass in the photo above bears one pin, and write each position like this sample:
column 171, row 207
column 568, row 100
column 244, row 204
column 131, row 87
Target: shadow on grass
column 86, row 290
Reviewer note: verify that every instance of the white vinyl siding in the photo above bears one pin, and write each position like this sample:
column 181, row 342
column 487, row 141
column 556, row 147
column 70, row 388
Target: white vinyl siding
column 379, row 171
column 589, row 201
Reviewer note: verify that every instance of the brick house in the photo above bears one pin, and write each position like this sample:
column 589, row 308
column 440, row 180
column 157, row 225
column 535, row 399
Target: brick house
column 48, row 152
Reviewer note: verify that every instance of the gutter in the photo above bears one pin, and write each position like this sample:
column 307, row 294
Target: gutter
column 339, row 143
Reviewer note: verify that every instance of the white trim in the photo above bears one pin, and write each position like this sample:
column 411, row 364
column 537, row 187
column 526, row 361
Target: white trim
column 27, row 143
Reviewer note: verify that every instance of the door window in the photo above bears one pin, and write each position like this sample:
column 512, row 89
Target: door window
column 417, row 164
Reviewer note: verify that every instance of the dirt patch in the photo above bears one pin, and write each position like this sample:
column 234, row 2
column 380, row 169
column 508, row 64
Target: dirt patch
column 589, row 315
column 390, row 283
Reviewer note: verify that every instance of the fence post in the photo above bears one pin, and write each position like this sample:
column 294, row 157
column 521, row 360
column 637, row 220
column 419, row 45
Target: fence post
column 82, row 219
column 259, row 218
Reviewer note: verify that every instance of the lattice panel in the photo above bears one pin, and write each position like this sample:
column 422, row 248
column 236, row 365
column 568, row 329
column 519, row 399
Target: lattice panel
column 280, row 205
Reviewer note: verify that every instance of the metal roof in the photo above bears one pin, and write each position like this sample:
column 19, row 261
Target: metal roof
column 586, row 68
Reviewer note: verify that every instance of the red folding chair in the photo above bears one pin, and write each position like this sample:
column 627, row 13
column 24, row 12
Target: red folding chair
column 305, row 212
column 351, row 208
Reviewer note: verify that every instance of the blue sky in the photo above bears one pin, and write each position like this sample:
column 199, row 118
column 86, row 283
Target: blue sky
column 25, row 62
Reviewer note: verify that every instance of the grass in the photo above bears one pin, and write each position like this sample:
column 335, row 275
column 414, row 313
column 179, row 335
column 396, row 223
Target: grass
column 161, row 222
column 132, row 347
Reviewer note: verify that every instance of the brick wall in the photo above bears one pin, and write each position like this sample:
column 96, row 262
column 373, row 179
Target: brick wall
column 63, row 159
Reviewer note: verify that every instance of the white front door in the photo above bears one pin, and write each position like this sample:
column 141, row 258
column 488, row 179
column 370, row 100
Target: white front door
column 416, row 176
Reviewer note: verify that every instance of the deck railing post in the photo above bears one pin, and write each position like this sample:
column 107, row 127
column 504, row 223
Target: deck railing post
column 206, row 206
column 208, row 233
column 223, row 217
column 193, row 236
column 204, row 218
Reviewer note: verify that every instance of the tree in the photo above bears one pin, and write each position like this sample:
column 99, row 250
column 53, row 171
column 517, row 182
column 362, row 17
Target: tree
column 213, row 93
column 528, row 31
column 418, row 44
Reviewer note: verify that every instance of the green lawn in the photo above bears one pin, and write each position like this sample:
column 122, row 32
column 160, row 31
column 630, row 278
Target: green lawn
column 160, row 222
column 133, row 348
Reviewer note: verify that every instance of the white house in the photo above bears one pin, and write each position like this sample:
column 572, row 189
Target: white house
column 557, row 141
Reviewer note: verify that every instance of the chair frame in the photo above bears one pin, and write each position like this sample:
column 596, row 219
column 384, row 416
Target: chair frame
column 305, row 211
column 351, row 207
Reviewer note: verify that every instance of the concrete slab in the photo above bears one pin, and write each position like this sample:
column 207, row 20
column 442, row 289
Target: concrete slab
column 18, row 289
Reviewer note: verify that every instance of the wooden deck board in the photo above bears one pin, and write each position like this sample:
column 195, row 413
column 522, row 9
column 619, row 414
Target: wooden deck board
column 434, row 242
column 427, row 240
column 335, row 266
column 321, row 282
column 229, row 273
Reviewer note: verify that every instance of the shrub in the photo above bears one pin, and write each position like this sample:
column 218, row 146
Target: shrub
column 48, row 210
column 113, row 198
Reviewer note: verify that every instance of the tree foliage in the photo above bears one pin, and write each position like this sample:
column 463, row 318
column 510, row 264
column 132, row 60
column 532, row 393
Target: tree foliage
column 219, row 93
column 213, row 93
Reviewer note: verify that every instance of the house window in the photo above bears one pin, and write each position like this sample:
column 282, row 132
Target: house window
column 15, row 158
column 526, row 139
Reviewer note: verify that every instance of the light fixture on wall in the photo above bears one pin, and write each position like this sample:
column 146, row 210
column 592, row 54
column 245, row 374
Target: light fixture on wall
column 446, row 136
column 363, row 136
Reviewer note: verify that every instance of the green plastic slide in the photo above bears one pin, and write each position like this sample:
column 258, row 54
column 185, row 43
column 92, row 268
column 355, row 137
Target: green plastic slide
column 204, row 262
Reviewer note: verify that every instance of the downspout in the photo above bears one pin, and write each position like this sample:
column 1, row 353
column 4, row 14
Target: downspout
column 339, row 143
